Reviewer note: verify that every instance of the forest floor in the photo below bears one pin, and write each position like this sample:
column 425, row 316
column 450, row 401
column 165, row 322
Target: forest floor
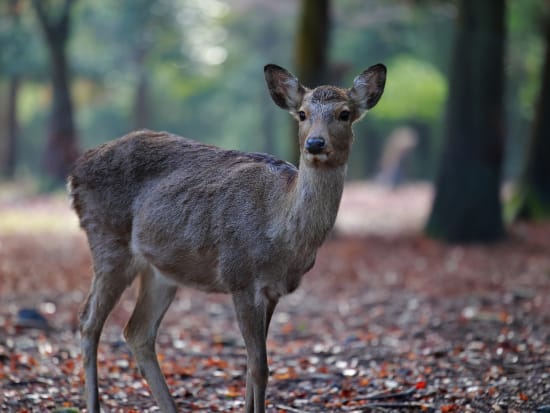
column 387, row 321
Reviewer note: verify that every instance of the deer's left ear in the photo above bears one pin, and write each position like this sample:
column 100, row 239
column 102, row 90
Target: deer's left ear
column 368, row 87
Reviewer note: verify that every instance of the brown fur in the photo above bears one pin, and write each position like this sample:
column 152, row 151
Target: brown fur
column 178, row 212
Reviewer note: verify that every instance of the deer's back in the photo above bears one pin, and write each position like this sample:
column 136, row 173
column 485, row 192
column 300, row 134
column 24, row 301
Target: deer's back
column 110, row 184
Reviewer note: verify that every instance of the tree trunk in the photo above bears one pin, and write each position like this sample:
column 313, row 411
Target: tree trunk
column 10, row 132
column 533, row 196
column 142, row 114
column 10, row 158
column 310, row 58
column 467, row 204
column 267, row 45
column 61, row 148
column 61, row 144
column 141, row 109
column 312, row 42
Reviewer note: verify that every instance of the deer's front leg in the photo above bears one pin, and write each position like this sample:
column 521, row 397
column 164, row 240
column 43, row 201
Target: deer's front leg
column 253, row 314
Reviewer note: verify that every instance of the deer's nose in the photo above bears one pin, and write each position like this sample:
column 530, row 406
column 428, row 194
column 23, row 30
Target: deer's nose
column 315, row 145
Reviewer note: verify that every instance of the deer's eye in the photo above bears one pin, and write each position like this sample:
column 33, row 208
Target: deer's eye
column 302, row 115
column 344, row 115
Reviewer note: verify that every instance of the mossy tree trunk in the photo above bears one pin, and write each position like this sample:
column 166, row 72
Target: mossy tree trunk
column 467, row 205
column 532, row 200
column 311, row 51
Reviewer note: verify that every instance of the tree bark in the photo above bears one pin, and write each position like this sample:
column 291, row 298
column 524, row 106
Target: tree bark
column 61, row 145
column 312, row 42
column 10, row 132
column 533, row 196
column 311, row 51
column 10, row 159
column 141, row 109
column 142, row 112
column 467, row 205
column 267, row 45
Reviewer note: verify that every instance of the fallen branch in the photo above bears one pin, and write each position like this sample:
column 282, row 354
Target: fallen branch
column 289, row 409
column 384, row 396
column 411, row 405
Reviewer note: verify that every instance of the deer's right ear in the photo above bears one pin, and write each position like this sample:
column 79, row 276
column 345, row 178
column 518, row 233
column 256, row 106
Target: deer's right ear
column 286, row 91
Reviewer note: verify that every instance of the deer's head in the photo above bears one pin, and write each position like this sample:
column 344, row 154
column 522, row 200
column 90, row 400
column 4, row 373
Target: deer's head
column 325, row 114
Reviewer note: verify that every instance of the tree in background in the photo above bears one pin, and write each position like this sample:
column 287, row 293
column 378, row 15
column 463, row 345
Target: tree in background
column 10, row 158
column 203, row 56
column 312, row 42
column 467, row 204
column 532, row 200
column 311, row 50
column 149, row 40
column 61, row 144
column 136, row 30
column 13, row 44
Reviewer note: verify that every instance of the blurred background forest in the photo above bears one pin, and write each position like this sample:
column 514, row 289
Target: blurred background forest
column 457, row 149
column 77, row 73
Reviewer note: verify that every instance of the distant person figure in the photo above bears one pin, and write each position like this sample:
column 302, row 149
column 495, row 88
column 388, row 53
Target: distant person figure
column 400, row 144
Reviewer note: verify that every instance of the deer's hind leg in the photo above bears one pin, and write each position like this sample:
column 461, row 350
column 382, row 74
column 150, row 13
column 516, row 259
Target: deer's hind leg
column 155, row 296
column 113, row 273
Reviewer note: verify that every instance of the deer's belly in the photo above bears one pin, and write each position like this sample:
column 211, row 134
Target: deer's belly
column 188, row 268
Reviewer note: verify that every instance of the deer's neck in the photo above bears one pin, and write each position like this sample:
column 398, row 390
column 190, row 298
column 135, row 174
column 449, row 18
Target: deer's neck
column 314, row 203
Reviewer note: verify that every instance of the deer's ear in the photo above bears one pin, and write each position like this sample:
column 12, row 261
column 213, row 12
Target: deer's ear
column 285, row 89
column 368, row 87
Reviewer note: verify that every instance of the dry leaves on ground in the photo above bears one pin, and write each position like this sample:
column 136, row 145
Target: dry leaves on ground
column 383, row 323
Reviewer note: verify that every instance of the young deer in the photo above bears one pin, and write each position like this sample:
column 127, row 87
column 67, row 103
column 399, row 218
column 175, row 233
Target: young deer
column 178, row 212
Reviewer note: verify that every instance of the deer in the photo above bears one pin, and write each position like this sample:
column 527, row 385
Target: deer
column 171, row 212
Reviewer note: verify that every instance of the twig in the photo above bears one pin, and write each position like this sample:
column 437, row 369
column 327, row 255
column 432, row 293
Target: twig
column 414, row 405
column 384, row 396
column 290, row 409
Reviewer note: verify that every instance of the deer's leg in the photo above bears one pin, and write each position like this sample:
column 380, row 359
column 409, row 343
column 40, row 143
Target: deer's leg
column 271, row 304
column 112, row 274
column 253, row 315
column 270, row 307
column 155, row 296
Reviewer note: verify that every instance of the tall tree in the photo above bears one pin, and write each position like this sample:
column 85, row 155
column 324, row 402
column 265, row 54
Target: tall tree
column 467, row 204
column 13, row 43
column 10, row 157
column 141, row 105
column 148, row 36
column 136, row 25
column 61, row 144
column 311, row 50
column 533, row 196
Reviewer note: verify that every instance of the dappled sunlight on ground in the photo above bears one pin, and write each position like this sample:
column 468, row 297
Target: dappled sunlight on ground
column 32, row 214
column 368, row 208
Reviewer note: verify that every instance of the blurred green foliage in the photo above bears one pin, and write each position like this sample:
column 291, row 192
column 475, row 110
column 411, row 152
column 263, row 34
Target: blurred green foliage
column 202, row 61
column 425, row 87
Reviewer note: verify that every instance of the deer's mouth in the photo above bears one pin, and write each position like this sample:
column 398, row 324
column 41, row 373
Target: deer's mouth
column 317, row 157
